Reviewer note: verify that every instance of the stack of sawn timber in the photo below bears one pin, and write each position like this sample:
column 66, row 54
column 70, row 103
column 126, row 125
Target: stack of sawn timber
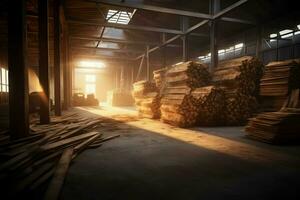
column 29, row 163
column 240, row 77
column 159, row 77
column 278, row 127
column 178, row 106
column 278, row 81
column 211, row 105
column 147, row 99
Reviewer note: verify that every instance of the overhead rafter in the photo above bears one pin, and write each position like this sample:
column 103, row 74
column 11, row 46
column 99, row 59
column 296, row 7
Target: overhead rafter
column 154, row 8
column 121, row 41
column 98, row 49
column 193, row 28
column 172, row 11
column 124, row 26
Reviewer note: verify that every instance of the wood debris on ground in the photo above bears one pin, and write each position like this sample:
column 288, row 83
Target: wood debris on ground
column 28, row 164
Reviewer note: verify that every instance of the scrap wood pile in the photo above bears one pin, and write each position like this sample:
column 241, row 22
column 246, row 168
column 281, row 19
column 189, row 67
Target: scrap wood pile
column 40, row 161
column 147, row 99
column 178, row 106
column 278, row 81
column 278, row 127
column 241, row 78
column 211, row 105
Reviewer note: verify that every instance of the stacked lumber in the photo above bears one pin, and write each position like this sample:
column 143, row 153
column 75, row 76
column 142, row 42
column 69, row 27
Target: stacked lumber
column 119, row 97
column 178, row 106
column 278, row 127
column 241, row 78
column 278, row 81
column 147, row 99
column 159, row 77
column 27, row 164
column 190, row 74
column 211, row 105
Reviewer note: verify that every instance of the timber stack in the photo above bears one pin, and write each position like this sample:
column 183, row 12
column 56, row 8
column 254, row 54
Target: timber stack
column 147, row 99
column 278, row 127
column 241, row 78
column 178, row 106
column 278, row 81
column 211, row 105
column 159, row 77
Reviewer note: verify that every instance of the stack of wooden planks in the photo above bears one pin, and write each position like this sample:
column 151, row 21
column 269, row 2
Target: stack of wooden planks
column 211, row 105
column 119, row 97
column 178, row 106
column 147, row 99
column 28, row 164
column 159, row 77
column 278, row 81
column 278, row 127
column 240, row 77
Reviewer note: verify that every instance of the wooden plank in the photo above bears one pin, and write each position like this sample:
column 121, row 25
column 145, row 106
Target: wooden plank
column 67, row 141
column 61, row 170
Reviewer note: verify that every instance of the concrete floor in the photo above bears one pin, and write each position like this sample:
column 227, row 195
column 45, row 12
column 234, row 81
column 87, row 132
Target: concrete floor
column 152, row 160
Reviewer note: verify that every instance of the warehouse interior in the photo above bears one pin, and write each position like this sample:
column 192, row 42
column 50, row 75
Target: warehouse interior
column 149, row 99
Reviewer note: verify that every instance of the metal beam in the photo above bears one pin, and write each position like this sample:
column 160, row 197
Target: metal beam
column 154, row 8
column 229, row 8
column 214, row 8
column 121, row 41
column 106, row 49
column 148, row 63
column 44, row 60
column 241, row 21
column 123, row 26
column 176, row 11
column 102, row 57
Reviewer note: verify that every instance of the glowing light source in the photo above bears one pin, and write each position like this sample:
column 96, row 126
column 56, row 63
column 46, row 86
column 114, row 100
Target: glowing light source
column 92, row 64
column 273, row 35
column 238, row 46
column 119, row 17
column 179, row 63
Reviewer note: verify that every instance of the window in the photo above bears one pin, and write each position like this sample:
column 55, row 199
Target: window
column 3, row 80
column 90, row 84
column 119, row 17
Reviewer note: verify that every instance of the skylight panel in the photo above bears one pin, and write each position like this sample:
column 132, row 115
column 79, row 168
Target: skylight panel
column 119, row 17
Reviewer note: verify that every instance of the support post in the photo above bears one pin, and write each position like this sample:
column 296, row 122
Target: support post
column 18, row 71
column 57, row 83
column 148, row 63
column 44, row 60
column 258, row 41
column 214, row 8
column 184, row 22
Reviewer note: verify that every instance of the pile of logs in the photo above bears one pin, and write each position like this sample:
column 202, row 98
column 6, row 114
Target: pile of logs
column 278, row 127
column 211, row 105
column 241, row 78
column 147, row 99
column 278, row 81
column 40, row 161
column 178, row 106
